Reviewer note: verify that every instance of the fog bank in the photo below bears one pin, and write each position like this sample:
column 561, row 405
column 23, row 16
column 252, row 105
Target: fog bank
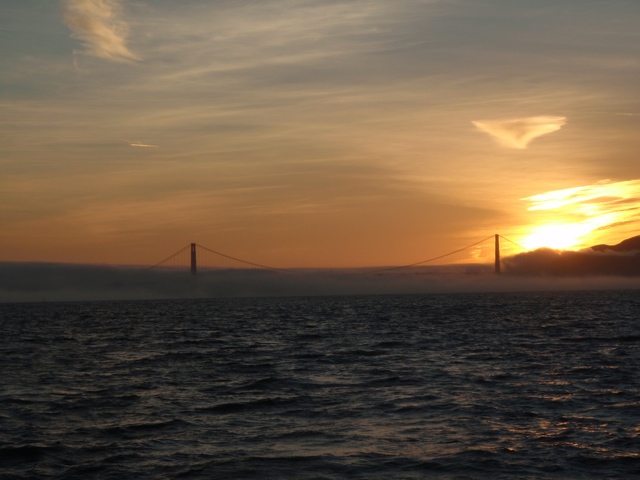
column 34, row 282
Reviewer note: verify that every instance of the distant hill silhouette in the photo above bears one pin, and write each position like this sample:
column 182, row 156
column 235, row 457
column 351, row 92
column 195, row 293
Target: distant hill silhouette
column 628, row 245
column 621, row 259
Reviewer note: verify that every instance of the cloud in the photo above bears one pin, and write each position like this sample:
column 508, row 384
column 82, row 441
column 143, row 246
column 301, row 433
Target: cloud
column 603, row 196
column 143, row 145
column 97, row 24
column 519, row 132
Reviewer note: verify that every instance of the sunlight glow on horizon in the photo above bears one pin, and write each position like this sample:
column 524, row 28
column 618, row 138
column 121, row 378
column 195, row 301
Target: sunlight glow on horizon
column 565, row 236
column 600, row 206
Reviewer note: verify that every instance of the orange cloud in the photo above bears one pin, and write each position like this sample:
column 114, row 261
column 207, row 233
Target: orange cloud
column 519, row 132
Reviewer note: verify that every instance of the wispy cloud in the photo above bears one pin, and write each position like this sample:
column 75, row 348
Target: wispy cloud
column 519, row 132
column 588, row 199
column 100, row 28
column 143, row 145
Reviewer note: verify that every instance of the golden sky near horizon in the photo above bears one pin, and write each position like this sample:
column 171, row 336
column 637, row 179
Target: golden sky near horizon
column 315, row 133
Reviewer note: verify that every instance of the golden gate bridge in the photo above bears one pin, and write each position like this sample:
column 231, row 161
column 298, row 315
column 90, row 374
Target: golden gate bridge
column 484, row 256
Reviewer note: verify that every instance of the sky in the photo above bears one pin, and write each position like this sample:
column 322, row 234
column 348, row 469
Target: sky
column 315, row 133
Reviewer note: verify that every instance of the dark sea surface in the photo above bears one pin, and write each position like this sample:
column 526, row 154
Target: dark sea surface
column 509, row 385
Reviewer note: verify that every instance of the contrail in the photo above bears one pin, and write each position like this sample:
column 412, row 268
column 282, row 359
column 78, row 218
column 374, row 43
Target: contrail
column 140, row 144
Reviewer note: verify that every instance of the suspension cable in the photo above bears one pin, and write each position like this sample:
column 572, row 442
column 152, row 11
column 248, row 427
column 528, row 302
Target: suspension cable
column 170, row 257
column 431, row 259
column 242, row 261
column 516, row 244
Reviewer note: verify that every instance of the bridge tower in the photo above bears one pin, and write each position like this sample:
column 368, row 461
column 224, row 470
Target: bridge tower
column 497, row 254
column 194, row 265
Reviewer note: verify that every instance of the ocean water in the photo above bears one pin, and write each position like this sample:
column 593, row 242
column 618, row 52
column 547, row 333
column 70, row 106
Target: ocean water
column 516, row 385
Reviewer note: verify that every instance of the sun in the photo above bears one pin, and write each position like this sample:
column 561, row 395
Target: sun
column 577, row 217
column 568, row 235
column 557, row 236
